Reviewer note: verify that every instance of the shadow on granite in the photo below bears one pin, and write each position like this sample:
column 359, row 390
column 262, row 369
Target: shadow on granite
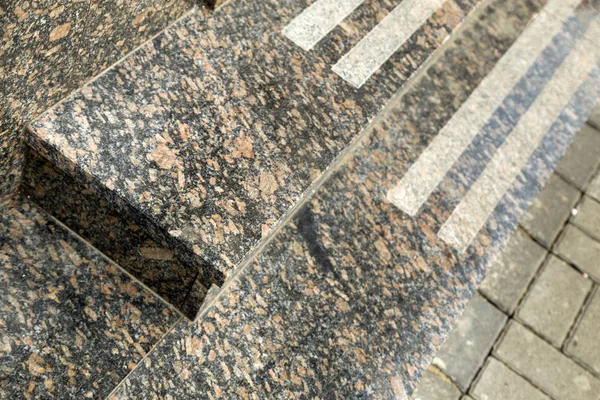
column 72, row 324
column 122, row 240
column 50, row 48
column 352, row 297
column 213, row 131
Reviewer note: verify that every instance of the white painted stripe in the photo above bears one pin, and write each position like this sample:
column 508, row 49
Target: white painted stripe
column 562, row 8
column 434, row 163
column 398, row 388
column 308, row 28
column 357, row 66
column 485, row 194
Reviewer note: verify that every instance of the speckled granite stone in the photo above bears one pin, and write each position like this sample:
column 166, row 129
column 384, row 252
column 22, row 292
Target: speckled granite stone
column 49, row 48
column 213, row 131
column 123, row 241
column 72, row 325
column 11, row 158
column 352, row 297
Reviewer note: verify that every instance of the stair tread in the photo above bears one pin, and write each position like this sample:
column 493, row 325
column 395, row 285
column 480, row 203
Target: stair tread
column 353, row 297
column 215, row 129
column 73, row 325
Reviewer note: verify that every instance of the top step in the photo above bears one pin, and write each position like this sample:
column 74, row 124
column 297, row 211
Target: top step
column 213, row 130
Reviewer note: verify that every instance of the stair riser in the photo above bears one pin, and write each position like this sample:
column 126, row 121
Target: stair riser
column 127, row 242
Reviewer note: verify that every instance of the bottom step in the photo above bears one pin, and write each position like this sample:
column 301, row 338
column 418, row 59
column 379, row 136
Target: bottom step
column 72, row 324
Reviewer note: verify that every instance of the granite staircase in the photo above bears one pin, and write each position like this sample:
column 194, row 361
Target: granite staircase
column 197, row 144
column 279, row 199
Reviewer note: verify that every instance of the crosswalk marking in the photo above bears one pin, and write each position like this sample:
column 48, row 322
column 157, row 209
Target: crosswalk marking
column 483, row 197
column 314, row 23
column 434, row 163
column 357, row 66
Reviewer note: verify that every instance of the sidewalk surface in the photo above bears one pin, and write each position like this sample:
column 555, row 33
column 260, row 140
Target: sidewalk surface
column 531, row 332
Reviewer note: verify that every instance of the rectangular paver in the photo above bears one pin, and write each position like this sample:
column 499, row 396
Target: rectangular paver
column 595, row 117
column 470, row 342
column 581, row 160
column 508, row 279
column 554, row 301
column 550, row 210
column 588, row 216
column 434, row 387
column 585, row 343
column 580, row 249
column 498, row 382
column 593, row 189
column 545, row 366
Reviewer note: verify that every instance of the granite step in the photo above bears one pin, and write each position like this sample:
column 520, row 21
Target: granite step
column 49, row 48
column 209, row 135
column 72, row 323
column 353, row 294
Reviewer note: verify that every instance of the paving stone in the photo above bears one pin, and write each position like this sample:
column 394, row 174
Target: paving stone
column 594, row 189
column 585, row 343
column 545, row 366
column 508, row 279
column 588, row 217
column 554, row 301
column 581, row 160
column 581, row 250
column 470, row 342
column 434, row 387
column 550, row 210
column 595, row 117
column 498, row 382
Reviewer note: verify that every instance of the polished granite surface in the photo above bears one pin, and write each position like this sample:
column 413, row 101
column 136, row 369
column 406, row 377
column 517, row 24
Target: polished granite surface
column 213, row 131
column 72, row 324
column 352, row 296
column 49, row 48
column 125, row 242
column 357, row 289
